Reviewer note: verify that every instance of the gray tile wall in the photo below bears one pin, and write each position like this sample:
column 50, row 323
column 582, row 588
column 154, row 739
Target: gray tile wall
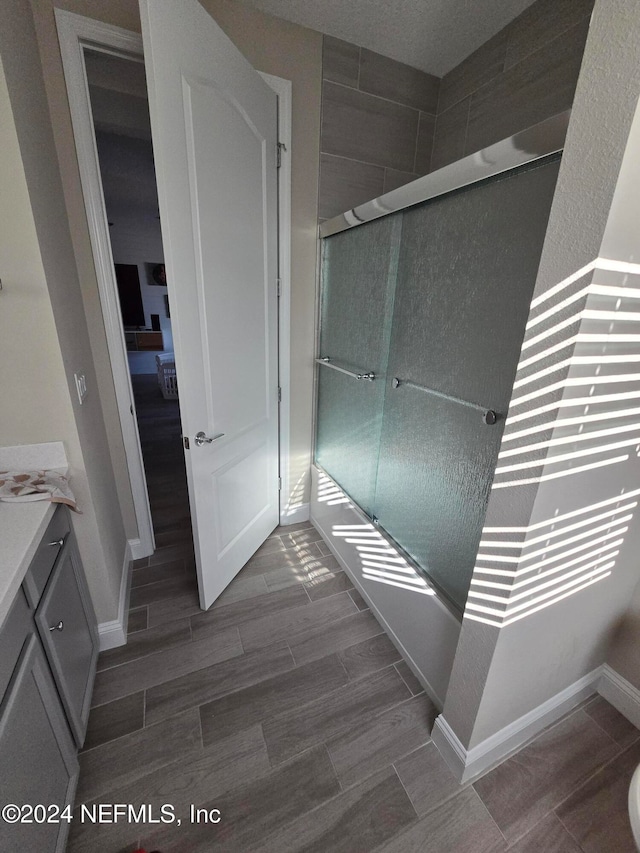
column 524, row 74
column 378, row 119
column 385, row 124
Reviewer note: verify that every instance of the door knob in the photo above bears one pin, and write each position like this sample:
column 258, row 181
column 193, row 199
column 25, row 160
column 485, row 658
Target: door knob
column 201, row 438
column 57, row 627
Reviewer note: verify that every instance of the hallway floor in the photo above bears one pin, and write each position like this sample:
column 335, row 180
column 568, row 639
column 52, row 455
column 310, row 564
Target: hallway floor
column 160, row 439
column 287, row 708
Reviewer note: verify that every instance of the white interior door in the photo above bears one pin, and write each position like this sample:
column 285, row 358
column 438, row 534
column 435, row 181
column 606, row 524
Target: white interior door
column 214, row 127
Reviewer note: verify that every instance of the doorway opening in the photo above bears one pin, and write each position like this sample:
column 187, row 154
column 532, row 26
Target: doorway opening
column 122, row 128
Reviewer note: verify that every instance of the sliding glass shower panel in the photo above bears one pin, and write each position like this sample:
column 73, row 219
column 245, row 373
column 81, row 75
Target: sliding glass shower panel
column 358, row 284
column 467, row 267
column 435, row 471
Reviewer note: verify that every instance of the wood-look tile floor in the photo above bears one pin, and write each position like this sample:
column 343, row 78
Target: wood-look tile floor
column 286, row 708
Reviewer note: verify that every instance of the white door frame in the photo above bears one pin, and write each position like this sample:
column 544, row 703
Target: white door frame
column 75, row 32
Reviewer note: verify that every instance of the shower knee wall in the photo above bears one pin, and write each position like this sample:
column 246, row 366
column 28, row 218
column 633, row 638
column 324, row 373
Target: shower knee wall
column 422, row 627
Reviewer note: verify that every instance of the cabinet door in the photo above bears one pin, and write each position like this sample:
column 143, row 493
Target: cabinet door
column 37, row 754
column 67, row 627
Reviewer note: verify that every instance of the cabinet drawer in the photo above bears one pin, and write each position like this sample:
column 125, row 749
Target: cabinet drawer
column 66, row 625
column 46, row 555
column 17, row 627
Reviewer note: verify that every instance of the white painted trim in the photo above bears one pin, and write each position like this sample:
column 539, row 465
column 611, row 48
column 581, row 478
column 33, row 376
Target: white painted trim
column 621, row 694
column 137, row 549
column 283, row 89
column 74, row 32
column 113, row 634
column 468, row 765
column 295, row 516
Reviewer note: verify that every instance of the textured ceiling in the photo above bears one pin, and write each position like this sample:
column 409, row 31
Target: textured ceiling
column 433, row 35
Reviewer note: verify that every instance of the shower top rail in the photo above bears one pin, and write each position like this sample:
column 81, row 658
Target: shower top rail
column 542, row 139
column 368, row 377
column 488, row 415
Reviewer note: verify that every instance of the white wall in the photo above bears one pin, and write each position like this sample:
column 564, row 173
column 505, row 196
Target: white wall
column 100, row 531
column 32, row 379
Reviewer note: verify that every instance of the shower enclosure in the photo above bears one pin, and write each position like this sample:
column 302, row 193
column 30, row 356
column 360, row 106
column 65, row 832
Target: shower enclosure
column 422, row 315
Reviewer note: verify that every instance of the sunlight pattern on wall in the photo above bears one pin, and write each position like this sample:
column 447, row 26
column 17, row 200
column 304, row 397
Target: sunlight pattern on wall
column 575, row 408
column 520, row 570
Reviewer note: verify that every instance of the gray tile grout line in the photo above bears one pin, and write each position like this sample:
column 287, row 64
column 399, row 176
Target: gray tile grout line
column 491, row 817
column 334, row 622
column 151, row 653
column 349, row 682
column 342, row 792
column 395, row 770
column 202, row 746
column 363, row 162
column 583, row 707
column 338, row 780
column 395, row 666
column 594, row 773
column 415, row 147
column 566, row 828
column 546, row 44
column 379, row 97
column 466, row 126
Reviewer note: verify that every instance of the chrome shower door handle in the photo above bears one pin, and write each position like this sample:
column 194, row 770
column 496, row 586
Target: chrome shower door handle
column 202, row 438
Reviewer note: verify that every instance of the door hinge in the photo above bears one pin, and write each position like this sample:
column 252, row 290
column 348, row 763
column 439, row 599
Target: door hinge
column 279, row 394
column 280, row 147
column 279, row 283
column 185, row 441
column 279, row 484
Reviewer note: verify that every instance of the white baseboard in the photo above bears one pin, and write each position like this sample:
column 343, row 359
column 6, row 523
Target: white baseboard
column 621, row 694
column 295, row 515
column 138, row 550
column 113, row 634
column 468, row 765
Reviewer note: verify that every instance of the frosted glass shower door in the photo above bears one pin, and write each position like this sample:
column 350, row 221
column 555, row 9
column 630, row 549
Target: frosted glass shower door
column 358, row 284
column 466, row 271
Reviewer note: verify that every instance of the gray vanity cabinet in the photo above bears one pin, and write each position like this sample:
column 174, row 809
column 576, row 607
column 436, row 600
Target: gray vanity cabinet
column 38, row 756
column 48, row 655
column 67, row 628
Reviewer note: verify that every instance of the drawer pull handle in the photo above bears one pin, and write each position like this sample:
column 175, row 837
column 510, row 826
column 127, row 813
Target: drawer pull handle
column 57, row 627
column 57, row 544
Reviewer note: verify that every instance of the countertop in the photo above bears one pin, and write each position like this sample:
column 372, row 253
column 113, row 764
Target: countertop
column 22, row 524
